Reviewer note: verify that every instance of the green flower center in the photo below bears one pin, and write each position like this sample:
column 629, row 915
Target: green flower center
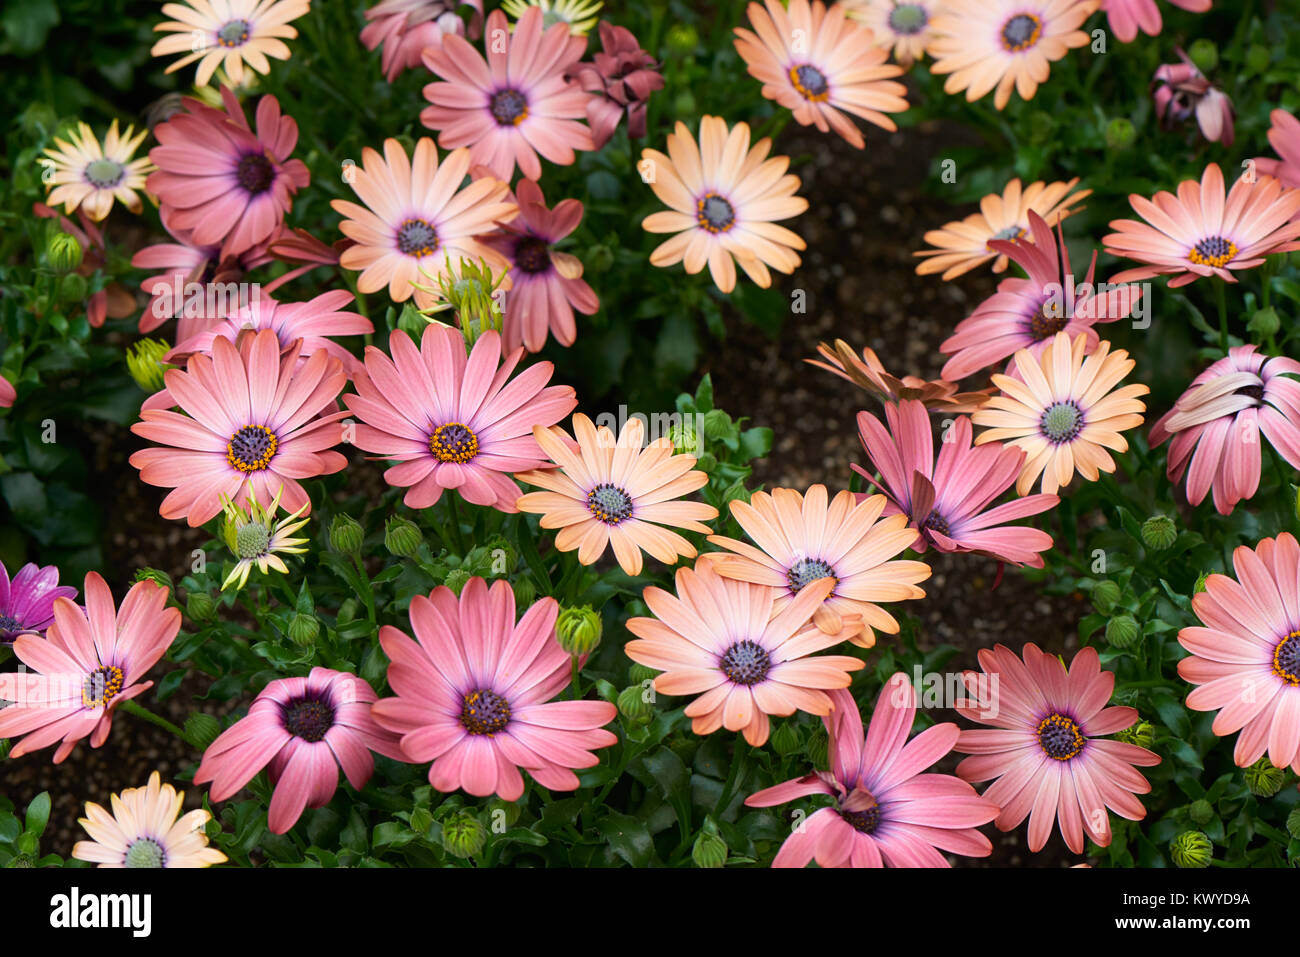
column 104, row 173
column 609, row 503
column 1061, row 422
column 233, row 34
column 145, row 852
column 252, row 540
column 908, row 18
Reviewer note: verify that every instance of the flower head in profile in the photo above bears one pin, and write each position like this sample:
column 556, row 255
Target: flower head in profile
column 724, row 642
column 616, row 492
column 1005, row 45
column 962, row 246
column 114, row 299
column 146, row 829
column 1064, row 412
column 869, row 373
column 515, row 104
column 302, row 730
column 7, row 393
column 228, row 34
column 1045, row 750
column 1216, row 425
column 905, row 27
column 802, row 539
column 1181, row 91
column 888, row 811
column 474, row 694
column 725, row 199
column 256, row 537
column 620, row 79
column 1200, row 233
column 1284, row 135
column 820, row 65
column 90, row 176
column 451, row 422
column 252, row 421
column 404, row 28
column 89, row 662
column 27, row 600
column 578, row 15
column 947, row 500
column 1126, row 17
column 1245, row 656
column 416, row 219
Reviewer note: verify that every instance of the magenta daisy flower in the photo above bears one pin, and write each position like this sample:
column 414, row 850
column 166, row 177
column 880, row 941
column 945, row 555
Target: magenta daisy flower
column 1246, row 658
column 1126, row 17
column 88, row 663
column 473, row 694
column 887, row 811
column 305, row 729
column 1215, row 425
column 1045, row 748
column 221, row 181
column 253, row 419
column 547, row 284
column 7, row 393
column 451, row 422
column 27, row 601
column 948, row 499
column 516, row 103
column 405, row 28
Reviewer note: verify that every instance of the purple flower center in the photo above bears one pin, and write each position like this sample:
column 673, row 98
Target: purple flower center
column 938, row 523
column 746, row 663
column 714, row 213
column 1286, row 659
column 509, row 107
column 416, row 238
column 252, row 448
column 309, row 718
column 806, row 571
column 609, row 503
column 1059, row 737
column 484, row 712
column 810, row 82
column 1214, row 251
column 255, row 173
column 1042, row 326
column 9, row 626
column 101, row 686
column 453, row 442
column 1061, row 422
column 1021, row 32
column 532, row 255
column 233, row 34
column 865, row 822
column 908, row 19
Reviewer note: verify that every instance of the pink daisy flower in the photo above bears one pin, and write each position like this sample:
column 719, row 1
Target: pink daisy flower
column 620, row 80
column 253, row 419
column 7, row 393
column 948, row 499
column 88, row 663
column 723, row 641
column 1246, row 658
column 516, row 103
column 473, row 694
column 27, row 602
column 1216, row 424
column 1200, row 233
column 451, row 422
column 1284, row 135
column 305, row 729
column 888, row 812
column 1126, row 17
column 1045, row 748
column 404, row 28
column 547, row 284
column 1028, row 313
column 221, row 181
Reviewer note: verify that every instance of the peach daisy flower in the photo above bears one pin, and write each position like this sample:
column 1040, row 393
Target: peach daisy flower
column 1007, row 44
column 516, row 103
column 725, row 199
column 815, row 63
column 869, row 373
column 962, row 246
column 228, row 34
column 804, row 539
column 1125, row 17
column 146, row 829
column 1284, row 136
column 89, row 176
column 1065, row 413
column 1200, row 233
column 417, row 220
column 724, row 641
column 614, row 492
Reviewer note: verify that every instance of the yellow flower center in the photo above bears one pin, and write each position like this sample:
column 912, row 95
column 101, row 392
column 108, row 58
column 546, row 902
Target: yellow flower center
column 1021, row 32
column 453, row 442
column 1286, row 659
column 102, row 686
column 810, row 82
column 252, row 448
column 1059, row 737
column 1213, row 251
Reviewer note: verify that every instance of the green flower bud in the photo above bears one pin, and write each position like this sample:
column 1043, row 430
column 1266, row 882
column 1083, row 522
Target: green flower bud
column 1200, row 579
column 684, row 104
column 1201, row 812
column 1159, row 532
column 1204, row 53
column 411, row 322
column 786, row 739
column 682, row 38
column 1120, row 133
column 402, row 538
column 600, row 258
column 200, row 606
column 818, row 749
column 64, row 252
column 1263, row 779
column 457, row 579
column 144, row 361
column 1293, row 823
column 346, row 535
column 1122, row 631
column 709, row 850
column 463, row 836
column 155, row 575
column 303, row 630
column 1105, row 596
column 1191, row 849
column 1257, row 58
column 1141, row 734
column 640, row 673
column 716, row 424
column 525, row 591
column 578, row 630
column 1264, row 323
column 634, row 706
column 685, row 439
column 201, row 730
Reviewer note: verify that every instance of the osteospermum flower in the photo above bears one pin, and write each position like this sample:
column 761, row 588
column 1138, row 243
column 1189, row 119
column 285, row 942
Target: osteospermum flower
column 1126, row 17
column 948, row 500
column 305, row 730
column 817, row 63
column 251, row 420
column 405, row 27
column 1065, row 413
column 1200, row 233
column 256, row 537
column 228, row 34
column 869, row 373
column 146, row 829
column 1284, row 135
column 803, row 539
column 88, row 663
column 611, row 491
column 1216, row 425
column 578, row 15
column 1046, row 748
column 1245, row 659
column 222, row 182
column 417, row 218
column 516, row 103
column 904, row 26
column 1028, row 313
column 89, row 176
column 725, row 198
column 887, row 811
column 722, row 641
column 27, row 601
column 963, row 245
column 474, row 694
column 1181, row 91
column 620, row 79
column 7, row 393
column 451, row 422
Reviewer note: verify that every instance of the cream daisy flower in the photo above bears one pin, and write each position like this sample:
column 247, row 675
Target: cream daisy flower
column 90, row 176
column 905, row 26
column 228, row 34
column 578, row 15
column 143, row 831
column 254, row 537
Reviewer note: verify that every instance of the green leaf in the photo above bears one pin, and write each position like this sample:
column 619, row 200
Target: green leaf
column 38, row 813
column 628, row 838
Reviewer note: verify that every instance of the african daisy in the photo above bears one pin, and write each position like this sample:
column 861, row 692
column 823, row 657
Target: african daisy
column 27, row 600
column 1284, row 135
column 228, row 34
column 7, row 393
column 256, row 537
column 869, row 373
column 905, row 27
column 405, row 27
column 146, row 829
column 89, row 176
column 578, row 15
column 1126, row 17
column 620, row 79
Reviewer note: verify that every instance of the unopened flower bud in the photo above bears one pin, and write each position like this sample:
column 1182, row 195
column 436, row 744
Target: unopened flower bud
column 1201, row 812
column 201, row 730
column 818, row 749
column 1120, row 133
column 525, row 591
column 1263, row 779
column 685, row 439
column 144, row 360
column 709, row 850
column 200, row 606
column 634, row 706
column 346, row 535
column 640, row 673
column 303, row 630
column 1204, row 53
column 1159, row 532
column 463, row 836
column 1141, row 734
column 1122, row 631
column 600, row 258
column 785, row 738
column 578, row 630
column 1105, row 596
column 1258, row 58
column 716, row 424
column 64, row 252
column 403, row 538
column 1191, row 849
column 1293, row 823
column 682, row 38
column 457, row 579
column 1264, row 322
column 155, row 575
column 1200, row 579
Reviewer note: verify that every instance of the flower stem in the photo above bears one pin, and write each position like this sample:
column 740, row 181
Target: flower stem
column 1221, row 297
column 455, row 522
column 130, row 707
